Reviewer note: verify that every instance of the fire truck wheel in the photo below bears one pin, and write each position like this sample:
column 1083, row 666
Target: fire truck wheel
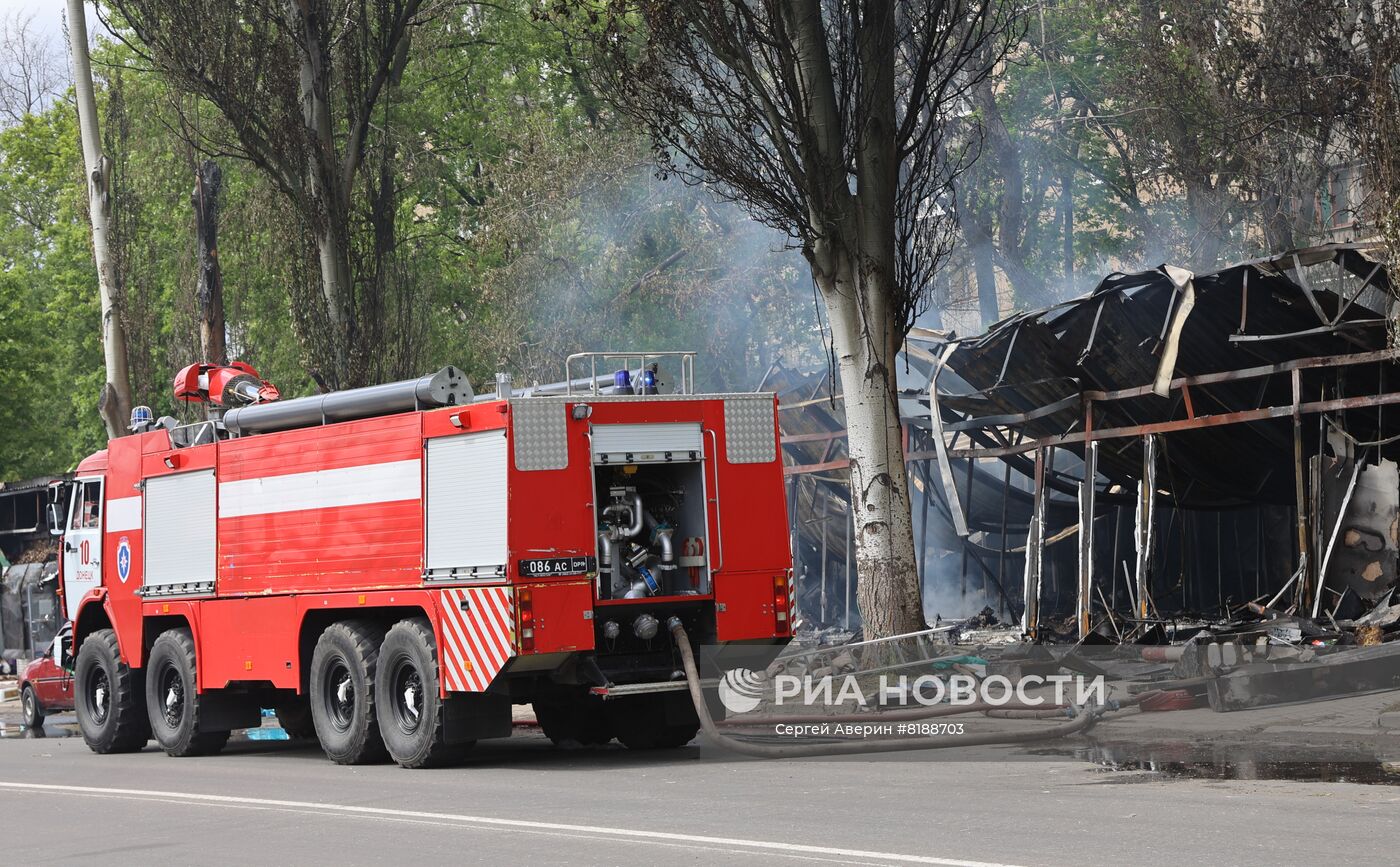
column 640, row 724
column 411, row 714
column 172, row 702
column 578, row 719
column 111, row 713
column 343, row 670
column 294, row 717
column 29, row 703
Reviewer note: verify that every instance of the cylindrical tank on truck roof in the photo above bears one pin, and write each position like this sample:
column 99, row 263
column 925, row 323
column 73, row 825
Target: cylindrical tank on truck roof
column 447, row 387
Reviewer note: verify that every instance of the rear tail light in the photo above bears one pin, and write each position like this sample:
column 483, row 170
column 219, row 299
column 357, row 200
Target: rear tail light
column 525, row 607
column 782, row 604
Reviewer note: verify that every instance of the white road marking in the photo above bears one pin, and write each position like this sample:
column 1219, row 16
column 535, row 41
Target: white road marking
column 662, row 837
column 791, row 856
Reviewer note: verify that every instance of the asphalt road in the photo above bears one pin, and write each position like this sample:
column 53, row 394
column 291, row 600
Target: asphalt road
column 522, row 800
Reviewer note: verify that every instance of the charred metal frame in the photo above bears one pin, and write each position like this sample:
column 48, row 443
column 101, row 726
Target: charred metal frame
column 1310, row 585
column 1295, row 409
column 959, row 427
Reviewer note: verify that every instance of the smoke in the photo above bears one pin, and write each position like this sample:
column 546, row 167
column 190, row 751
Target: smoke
column 620, row 259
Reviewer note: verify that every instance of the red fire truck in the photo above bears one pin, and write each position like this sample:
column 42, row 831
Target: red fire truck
column 392, row 567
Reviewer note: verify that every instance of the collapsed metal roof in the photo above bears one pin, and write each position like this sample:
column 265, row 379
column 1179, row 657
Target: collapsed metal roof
column 1215, row 346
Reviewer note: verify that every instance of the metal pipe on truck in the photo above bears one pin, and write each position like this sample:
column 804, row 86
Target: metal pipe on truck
column 447, row 387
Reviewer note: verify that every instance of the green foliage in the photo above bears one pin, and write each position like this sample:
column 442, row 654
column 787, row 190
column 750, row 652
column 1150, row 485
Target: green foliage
column 50, row 355
column 1171, row 131
column 529, row 225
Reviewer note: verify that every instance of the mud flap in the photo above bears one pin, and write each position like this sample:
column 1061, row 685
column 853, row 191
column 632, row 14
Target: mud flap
column 221, row 713
column 475, row 716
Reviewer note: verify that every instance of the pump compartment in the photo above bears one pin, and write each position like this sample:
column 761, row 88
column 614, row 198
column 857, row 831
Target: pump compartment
column 653, row 528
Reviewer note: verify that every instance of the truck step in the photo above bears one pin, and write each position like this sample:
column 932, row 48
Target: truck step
column 619, row 690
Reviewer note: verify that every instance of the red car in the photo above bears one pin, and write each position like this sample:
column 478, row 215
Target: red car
column 45, row 687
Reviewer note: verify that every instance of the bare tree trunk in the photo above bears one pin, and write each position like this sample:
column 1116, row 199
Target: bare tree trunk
column 322, row 184
column 1278, row 224
column 208, row 188
column 853, row 263
column 1067, row 224
column 1207, row 215
column 114, row 404
column 1011, row 206
column 988, row 300
column 979, row 240
column 888, row 590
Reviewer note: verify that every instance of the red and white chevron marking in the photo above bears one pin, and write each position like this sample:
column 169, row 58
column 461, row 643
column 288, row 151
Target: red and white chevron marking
column 478, row 630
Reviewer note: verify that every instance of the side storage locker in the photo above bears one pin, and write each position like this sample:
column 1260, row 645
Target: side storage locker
column 180, row 526
column 466, row 508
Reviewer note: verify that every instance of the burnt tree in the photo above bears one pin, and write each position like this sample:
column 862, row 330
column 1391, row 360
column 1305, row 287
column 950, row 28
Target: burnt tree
column 209, row 291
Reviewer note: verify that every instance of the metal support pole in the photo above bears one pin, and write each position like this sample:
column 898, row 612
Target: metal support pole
column 955, row 509
column 821, row 618
column 1005, row 500
column 971, row 462
column 850, row 519
column 1085, row 600
column 1332, row 540
column 1035, row 548
column 1258, row 550
column 1300, row 495
column 1113, row 561
column 921, row 560
column 1220, row 567
column 1316, row 516
column 1146, row 514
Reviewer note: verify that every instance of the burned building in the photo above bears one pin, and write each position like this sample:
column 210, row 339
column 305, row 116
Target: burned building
column 1170, row 446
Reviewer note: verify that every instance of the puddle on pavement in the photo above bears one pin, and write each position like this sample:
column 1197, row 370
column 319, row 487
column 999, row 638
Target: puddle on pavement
column 67, row 727
column 1147, row 765
column 49, row 730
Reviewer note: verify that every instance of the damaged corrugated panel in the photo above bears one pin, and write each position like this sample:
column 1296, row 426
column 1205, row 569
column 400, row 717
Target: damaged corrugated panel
column 1364, row 556
column 1245, row 316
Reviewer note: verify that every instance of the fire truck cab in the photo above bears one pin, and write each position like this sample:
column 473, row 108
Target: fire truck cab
column 391, row 568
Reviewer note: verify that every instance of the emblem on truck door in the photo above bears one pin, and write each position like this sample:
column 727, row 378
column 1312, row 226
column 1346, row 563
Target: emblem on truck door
column 123, row 558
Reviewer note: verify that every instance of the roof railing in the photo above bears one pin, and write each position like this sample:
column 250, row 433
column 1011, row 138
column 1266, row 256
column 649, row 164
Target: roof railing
column 641, row 359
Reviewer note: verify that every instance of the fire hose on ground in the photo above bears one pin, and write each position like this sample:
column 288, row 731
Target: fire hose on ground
column 910, row 715
column 1084, row 719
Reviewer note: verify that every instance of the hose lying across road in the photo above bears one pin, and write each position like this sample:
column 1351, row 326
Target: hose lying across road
column 907, row 715
column 1082, row 721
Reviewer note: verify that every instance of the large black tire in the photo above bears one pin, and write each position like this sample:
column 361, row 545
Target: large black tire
column 172, row 698
column 110, row 706
column 294, row 716
column 640, row 724
column 33, row 712
column 343, row 670
column 581, row 719
column 411, row 714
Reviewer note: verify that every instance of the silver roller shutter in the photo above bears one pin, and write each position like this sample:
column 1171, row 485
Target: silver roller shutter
column 647, row 443
column 180, row 527
column 467, row 506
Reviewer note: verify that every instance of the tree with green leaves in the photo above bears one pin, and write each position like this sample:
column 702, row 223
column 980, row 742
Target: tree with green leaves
column 308, row 91
column 826, row 120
